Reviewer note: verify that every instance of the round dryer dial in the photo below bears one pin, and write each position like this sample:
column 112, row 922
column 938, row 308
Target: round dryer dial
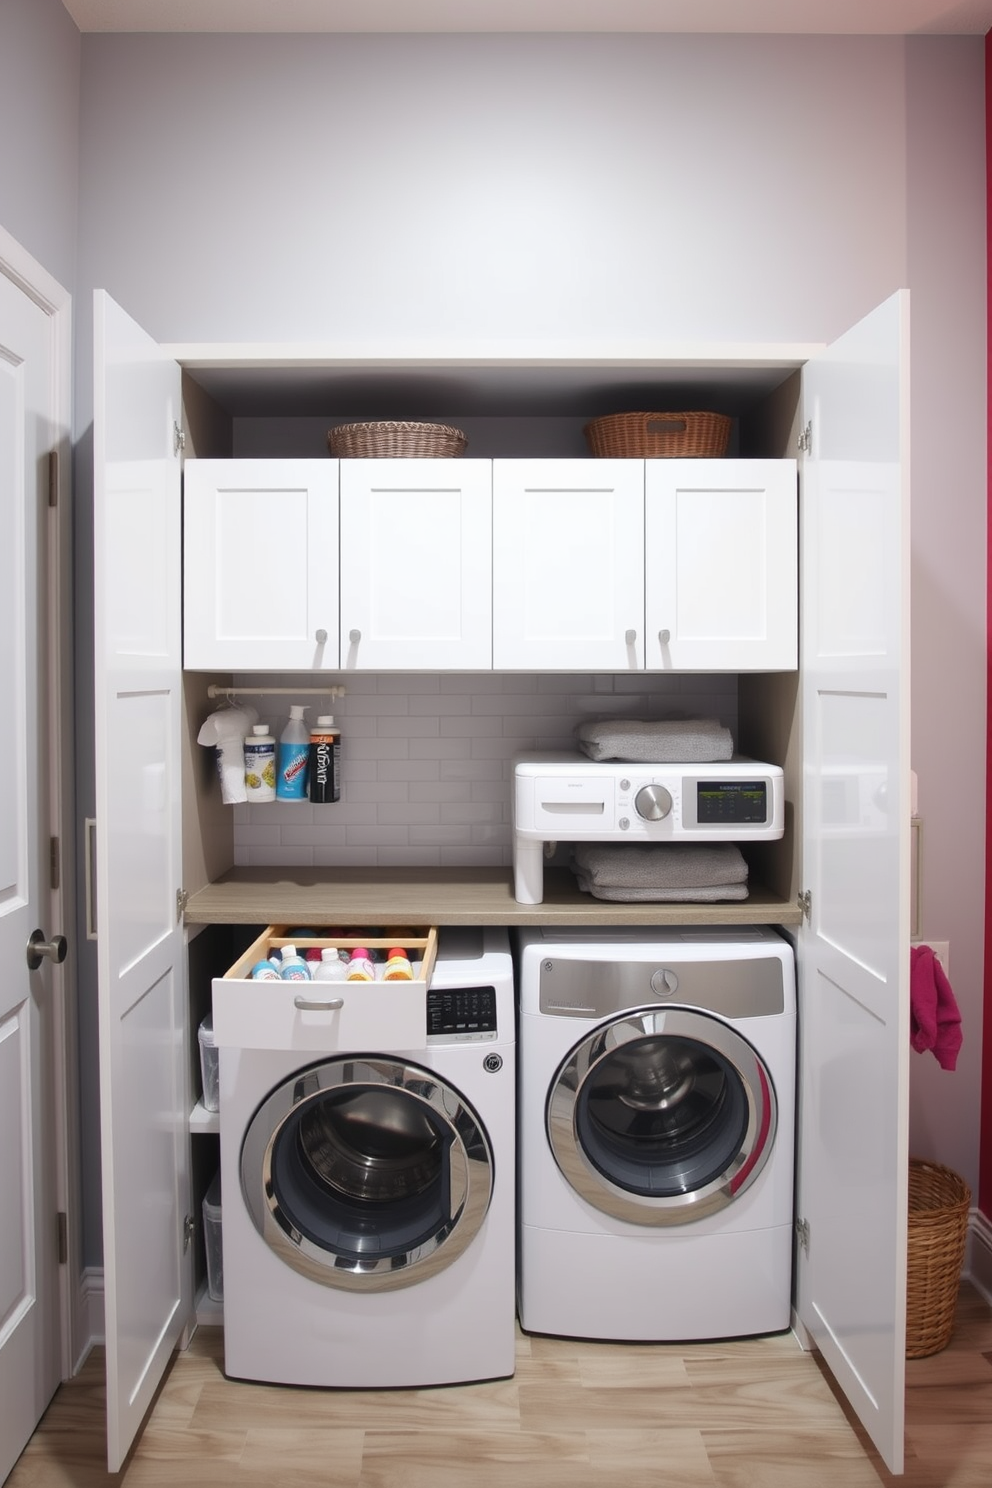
column 653, row 802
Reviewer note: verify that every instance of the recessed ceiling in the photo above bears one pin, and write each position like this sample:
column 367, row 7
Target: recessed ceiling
column 816, row 17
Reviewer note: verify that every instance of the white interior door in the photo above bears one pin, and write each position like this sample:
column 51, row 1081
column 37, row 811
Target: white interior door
column 30, row 1362
column 854, row 990
column 143, row 1099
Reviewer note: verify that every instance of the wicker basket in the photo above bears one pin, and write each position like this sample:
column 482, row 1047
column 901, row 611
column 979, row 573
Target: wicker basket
column 395, row 440
column 938, row 1221
column 658, row 436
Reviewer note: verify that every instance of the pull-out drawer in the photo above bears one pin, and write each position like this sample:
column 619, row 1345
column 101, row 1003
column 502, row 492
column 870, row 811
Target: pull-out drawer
column 320, row 1016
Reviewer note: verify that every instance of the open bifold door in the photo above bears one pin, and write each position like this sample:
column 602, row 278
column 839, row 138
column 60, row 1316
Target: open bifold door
column 142, row 998
column 854, row 949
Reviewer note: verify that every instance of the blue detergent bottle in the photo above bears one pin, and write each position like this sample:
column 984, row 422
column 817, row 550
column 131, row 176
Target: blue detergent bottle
column 294, row 757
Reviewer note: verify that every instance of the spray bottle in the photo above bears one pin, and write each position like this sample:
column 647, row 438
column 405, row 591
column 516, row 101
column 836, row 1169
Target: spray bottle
column 294, row 745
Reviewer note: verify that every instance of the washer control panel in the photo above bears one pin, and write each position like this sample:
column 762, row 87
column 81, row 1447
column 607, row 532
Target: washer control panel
column 461, row 1014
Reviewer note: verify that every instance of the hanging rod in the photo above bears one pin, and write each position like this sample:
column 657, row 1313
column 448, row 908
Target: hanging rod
column 213, row 691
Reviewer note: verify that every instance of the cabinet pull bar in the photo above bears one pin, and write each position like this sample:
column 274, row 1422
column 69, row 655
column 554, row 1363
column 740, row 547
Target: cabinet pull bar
column 305, row 1005
column 664, row 636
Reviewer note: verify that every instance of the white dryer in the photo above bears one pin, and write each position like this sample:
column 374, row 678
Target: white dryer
column 368, row 1191
column 656, row 1132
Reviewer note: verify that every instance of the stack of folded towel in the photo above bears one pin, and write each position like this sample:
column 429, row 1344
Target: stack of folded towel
column 691, row 872
column 680, row 741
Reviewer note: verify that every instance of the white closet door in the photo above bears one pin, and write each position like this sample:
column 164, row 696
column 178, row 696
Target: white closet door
column 416, row 564
column 721, row 565
column 142, row 995
column 568, row 565
column 261, row 564
column 854, row 955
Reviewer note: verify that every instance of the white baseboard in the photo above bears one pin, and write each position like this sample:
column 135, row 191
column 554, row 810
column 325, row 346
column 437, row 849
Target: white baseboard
column 90, row 1328
column 978, row 1253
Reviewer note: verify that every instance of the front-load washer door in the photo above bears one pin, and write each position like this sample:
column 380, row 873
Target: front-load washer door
column 366, row 1173
column 661, row 1116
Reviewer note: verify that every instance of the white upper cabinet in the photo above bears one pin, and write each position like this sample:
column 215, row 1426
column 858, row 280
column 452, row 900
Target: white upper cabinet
column 416, row 564
column 260, row 564
column 720, row 562
column 568, row 565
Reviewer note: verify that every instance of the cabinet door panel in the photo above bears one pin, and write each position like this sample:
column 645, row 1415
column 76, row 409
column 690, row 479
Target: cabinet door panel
column 568, row 564
column 416, row 569
column 721, row 565
column 261, row 564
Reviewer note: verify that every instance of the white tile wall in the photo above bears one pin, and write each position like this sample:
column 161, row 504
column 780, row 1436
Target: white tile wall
column 426, row 760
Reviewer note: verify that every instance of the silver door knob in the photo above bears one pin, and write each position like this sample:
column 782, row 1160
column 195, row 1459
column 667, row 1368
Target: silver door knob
column 653, row 802
column 40, row 949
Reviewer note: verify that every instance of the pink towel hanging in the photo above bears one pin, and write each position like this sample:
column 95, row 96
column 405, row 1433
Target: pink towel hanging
column 935, row 1020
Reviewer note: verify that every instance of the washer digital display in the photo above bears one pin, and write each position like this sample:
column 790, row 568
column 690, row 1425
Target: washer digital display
column 461, row 1013
column 719, row 801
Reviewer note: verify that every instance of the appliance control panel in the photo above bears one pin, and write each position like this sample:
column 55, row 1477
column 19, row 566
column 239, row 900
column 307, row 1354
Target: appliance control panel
column 461, row 1014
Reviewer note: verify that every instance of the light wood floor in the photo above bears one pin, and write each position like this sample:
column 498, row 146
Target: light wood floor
column 751, row 1414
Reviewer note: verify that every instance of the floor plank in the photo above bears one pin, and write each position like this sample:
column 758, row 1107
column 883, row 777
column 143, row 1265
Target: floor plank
column 755, row 1413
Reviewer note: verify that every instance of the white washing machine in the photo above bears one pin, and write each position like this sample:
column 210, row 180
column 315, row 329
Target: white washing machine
column 656, row 1132
column 368, row 1192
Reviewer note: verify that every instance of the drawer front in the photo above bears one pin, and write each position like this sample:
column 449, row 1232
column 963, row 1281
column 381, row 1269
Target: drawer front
column 320, row 1017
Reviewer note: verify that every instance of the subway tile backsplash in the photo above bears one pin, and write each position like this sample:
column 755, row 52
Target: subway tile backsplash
column 426, row 759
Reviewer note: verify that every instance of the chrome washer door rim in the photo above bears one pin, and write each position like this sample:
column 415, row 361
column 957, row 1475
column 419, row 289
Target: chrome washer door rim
column 470, row 1173
column 578, row 1070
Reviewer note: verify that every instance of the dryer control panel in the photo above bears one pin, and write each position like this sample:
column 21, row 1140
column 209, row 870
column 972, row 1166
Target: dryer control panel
column 461, row 1014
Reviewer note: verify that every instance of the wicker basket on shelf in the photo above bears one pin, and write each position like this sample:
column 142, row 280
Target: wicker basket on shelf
column 395, row 440
column 938, row 1222
column 658, row 436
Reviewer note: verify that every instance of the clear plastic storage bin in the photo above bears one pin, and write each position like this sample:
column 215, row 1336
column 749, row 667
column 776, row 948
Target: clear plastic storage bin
column 212, row 1236
column 209, row 1067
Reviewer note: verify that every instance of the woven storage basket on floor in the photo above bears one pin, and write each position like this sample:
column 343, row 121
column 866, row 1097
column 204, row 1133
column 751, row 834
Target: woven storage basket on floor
column 395, row 440
column 658, row 436
column 938, row 1222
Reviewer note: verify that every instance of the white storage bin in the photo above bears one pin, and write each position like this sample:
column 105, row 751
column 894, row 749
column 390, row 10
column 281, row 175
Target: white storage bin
column 212, row 1236
column 209, row 1065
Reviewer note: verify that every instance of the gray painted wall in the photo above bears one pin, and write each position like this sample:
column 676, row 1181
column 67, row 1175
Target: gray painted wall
column 599, row 186
column 39, row 114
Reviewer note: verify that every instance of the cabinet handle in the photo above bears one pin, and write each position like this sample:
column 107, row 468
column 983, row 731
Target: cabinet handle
column 321, row 637
column 305, row 1005
column 89, row 866
column 664, row 636
column 354, row 636
column 631, row 637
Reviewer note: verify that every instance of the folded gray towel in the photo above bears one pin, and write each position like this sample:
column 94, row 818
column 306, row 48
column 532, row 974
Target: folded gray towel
column 703, row 895
column 660, row 865
column 657, row 741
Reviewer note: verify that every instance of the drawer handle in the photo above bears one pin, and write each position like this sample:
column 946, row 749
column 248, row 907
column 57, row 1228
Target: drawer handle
column 305, row 1005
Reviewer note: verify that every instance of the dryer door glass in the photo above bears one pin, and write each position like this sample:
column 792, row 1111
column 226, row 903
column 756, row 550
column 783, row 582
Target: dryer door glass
column 662, row 1117
column 366, row 1174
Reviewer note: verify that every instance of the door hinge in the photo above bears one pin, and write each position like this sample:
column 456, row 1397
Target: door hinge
column 802, row 1234
column 189, row 1230
column 54, row 863
column 182, row 899
column 178, row 438
column 53, row 477
column 62, row 1232
column 805, row 440
column 805, row 902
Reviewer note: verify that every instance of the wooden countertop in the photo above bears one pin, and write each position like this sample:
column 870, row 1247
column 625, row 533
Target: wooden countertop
column 436, row 896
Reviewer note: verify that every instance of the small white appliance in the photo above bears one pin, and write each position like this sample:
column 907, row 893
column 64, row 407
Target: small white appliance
column 368, row 1189
column 656, row 1132
column 568, row 798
